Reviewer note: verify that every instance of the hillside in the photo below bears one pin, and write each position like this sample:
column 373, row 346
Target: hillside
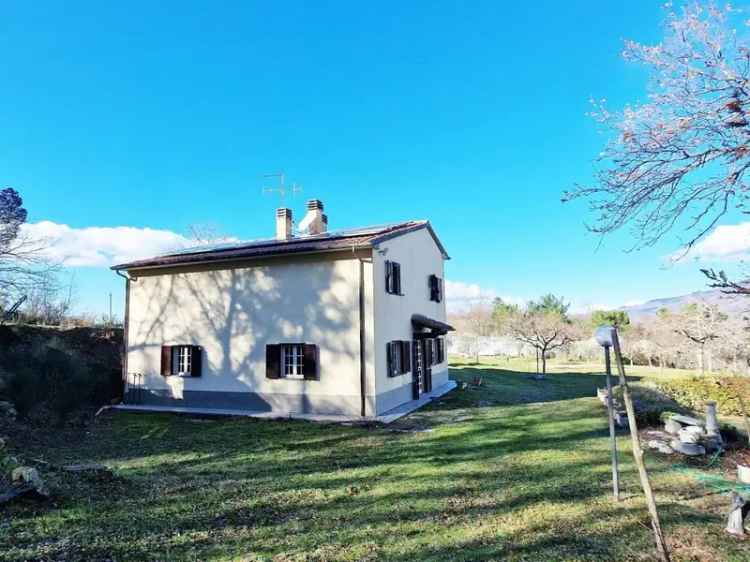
column 730, row 304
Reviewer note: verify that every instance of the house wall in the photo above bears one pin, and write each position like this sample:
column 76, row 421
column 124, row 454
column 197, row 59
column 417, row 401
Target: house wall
column 234, row 312
column 419, row 257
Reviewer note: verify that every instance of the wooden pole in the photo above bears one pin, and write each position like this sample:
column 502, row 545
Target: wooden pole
column 612, row 435
column 744, row 415
column 661, row 544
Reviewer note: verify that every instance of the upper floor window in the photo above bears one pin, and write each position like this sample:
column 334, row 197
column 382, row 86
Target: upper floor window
column 436, row 288
column 393, row 277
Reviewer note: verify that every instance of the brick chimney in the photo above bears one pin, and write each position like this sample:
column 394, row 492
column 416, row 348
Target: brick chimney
column 283, row 224
column 315, row 222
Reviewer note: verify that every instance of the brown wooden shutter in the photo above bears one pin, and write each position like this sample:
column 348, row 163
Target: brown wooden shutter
column 389, row 359
column 405, row 356
column 196, row 367
column 273, row 361
column 310, row 361
column 166, row 360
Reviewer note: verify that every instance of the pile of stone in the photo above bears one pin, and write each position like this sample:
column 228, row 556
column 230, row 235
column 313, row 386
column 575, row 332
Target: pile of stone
column 621, row 416
column 688, row 435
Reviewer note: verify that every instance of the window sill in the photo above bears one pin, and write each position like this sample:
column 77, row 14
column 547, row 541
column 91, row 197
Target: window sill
column 181, row 375
column 294, row 377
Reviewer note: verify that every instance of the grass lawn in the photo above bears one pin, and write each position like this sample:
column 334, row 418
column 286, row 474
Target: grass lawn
column 514, row 470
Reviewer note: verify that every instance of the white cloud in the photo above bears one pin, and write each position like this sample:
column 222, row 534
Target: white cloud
column 97, row 246
column 729, row 242
column 460, row 296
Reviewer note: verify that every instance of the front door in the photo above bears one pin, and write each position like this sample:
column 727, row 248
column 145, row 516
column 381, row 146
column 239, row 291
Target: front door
column 418, row 366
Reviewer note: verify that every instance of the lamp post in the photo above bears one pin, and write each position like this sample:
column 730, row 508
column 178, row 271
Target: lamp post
column 603, row 337
column 661, row 543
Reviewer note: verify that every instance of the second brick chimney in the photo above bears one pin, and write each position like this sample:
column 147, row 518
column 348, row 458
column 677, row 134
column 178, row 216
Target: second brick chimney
column 283, row 224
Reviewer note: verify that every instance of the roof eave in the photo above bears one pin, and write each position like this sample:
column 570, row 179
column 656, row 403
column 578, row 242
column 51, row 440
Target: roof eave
column 420, row 226
column 139, row 266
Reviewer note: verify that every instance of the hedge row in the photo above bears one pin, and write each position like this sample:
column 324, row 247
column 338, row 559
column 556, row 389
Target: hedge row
column 694, row 392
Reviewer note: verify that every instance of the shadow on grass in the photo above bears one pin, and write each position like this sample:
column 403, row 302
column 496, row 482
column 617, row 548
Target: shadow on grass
column 525, row 476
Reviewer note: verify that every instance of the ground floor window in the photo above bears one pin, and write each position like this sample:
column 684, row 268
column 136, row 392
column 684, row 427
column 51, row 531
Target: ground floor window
column 293, row 358
column 292, row 361
column 398, row 356
column 181, row 360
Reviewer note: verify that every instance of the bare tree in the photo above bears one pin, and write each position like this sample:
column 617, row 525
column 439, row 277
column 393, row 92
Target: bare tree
column 701, row 324
column 21, row 264
column 543, row 330
column 683, row 155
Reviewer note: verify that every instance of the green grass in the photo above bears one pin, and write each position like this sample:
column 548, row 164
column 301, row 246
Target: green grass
column 517, row 469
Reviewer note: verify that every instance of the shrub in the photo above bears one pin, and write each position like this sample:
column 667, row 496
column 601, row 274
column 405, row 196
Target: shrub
column 695, row 391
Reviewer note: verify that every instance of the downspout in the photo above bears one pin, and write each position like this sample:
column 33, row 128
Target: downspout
column 362, row 365
column 125, row 324
column 362, row 339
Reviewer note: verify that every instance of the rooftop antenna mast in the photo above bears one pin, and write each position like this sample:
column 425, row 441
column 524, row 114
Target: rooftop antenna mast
column 283, row 190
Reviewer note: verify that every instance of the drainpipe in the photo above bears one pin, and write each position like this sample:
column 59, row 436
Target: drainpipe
column 362, row 340
column 125, row 323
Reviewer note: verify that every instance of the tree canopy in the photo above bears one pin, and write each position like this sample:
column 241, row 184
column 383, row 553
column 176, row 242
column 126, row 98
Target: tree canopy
column 617, row 318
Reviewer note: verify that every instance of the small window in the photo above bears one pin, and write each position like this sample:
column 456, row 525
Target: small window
column 398, row 356
column 436, row 288
column 181, row 360
column 292, row 358
column 393, row 278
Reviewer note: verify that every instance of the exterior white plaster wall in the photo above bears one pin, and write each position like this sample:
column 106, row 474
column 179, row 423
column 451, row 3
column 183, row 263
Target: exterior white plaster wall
column 233, row 313
column 419, row 257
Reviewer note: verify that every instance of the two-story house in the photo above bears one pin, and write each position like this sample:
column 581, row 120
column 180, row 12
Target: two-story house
column 348, row 323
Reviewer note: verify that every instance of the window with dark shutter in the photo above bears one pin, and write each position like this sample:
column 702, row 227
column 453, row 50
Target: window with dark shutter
column 166, row 360
column 273, row 361
column 429, row 352
column 405, row 357
column 181, row 360
column 310, row 361
column 440, row 342
column 196, row 367
column 436, row 288
column 392, row 278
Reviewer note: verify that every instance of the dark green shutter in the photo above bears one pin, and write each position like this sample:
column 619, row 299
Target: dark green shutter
column 397, row 278
column 195, row 361
column 389, row 359
column 388, row 276
column 405, row 356
column 310, row 361
column 273, row 361
column 166, row 360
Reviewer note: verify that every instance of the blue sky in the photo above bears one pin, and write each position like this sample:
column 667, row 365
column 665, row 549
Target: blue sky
column 471, row 115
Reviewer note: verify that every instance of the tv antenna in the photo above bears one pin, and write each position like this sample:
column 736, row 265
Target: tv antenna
column 283, row 190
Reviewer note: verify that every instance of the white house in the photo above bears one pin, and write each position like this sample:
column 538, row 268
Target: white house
column 347, row 323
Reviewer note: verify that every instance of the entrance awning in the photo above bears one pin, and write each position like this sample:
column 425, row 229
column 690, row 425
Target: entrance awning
column 435, row 327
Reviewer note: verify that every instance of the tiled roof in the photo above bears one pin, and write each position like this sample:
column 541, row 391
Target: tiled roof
column 337, row 240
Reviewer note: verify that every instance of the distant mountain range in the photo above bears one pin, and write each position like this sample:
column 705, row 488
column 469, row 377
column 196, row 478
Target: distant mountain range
column 730, row 304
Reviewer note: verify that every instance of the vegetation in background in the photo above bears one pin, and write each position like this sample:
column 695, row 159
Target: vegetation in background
column 616, row 318
column 694, row 392
column 49, row 374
